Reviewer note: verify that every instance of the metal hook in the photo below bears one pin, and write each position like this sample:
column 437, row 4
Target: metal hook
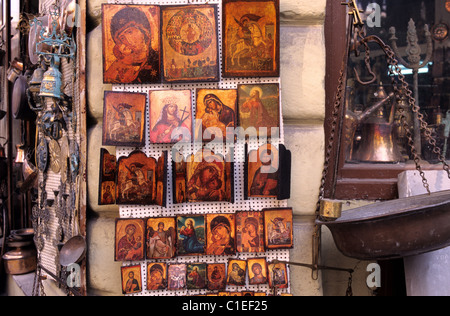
column 366, row 83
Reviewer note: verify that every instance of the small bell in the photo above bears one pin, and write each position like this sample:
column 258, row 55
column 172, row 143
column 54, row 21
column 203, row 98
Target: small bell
column 52, row 81
column 20, row 158
column 38, row 76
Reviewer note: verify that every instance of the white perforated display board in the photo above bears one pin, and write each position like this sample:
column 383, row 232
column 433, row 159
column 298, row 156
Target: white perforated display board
column 155, row 151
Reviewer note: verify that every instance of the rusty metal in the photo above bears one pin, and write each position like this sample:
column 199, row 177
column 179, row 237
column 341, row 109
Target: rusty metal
column 394, row 229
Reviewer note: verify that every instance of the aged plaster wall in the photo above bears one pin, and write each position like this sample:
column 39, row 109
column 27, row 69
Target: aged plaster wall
column 303, row 99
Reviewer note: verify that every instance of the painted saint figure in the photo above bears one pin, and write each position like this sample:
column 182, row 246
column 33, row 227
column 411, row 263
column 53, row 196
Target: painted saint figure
column 135, row 59
column 169, row 121
column 129, row 247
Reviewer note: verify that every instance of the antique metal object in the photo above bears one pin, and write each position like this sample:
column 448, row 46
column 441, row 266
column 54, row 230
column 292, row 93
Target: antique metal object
column 394, row 229
column 51, row 85
column 55, row 156
column 330, row 210
column 73, row 251
column 15, row 70
column 440, row 32
column 53, row 123
column 64, row 156
column 42, row 155
column 20, row 156
column 35, row 102
column 414, row 51
column 20, row 107
column 353, row 120
column 22, row 259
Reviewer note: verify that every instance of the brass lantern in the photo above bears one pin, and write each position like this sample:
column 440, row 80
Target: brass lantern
column 52, row 82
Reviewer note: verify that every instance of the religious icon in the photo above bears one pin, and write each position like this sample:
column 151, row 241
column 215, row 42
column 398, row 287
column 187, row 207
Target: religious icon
column 170, row 116
column 220, row 234
column 251, row 41
column 156, row 276
column 196, row 276
column 190, row 43
column 207, row 178
column 161, row 238
column 191, row 233
column 131, row 44
column 138, row 179
column 250, row 231
column 259, row 108
column 161, row 180
column 237, row 270
column 130, row 238
column 279, row 228
column 257, row 271
column 124, row 119
column 179, row 178
column 177, row 277
column 107, row 181
column 278, row 275
column 268, row 172
column 216, row 109
column 263, row 175
column 217, row 276
column 131, row 279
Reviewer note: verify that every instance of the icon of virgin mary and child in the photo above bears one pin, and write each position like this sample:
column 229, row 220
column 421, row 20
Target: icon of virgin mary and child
column 135, row 61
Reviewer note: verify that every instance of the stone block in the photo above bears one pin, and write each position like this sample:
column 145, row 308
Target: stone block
column 104, row 276
column 302, row 10
column 307, row 146
column 303, row 63
column 95, row 87
column 302, row 284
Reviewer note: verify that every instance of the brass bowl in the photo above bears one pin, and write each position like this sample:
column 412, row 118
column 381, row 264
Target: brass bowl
column 394, row 229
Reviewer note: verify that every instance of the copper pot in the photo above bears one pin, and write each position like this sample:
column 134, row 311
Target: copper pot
column 22, row 259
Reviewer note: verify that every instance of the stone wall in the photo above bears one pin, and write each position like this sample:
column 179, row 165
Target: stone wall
column 303, row 98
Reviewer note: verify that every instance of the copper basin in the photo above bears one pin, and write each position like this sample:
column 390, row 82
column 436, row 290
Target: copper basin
column 394, row 229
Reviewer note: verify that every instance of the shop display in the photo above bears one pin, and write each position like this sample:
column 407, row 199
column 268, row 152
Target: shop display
column 131, row 44
column 259, row 108
column 190, row 43
column 161, row 238
column 251, row 41
column 199, row 240
column 196, row 276
column 217, row 276
column 141, row 180
column 157, row 276
column 177, row 276
column 170, row 116
column 236, row 272
column 267, row 172
column 278, row 275
column 130, row 240
column 107, row 182
column 257, row 271
column 279, row 228
column 124, row 119
column 250, row 232
column 191, row 235
column 220, row 234
column 216, row 110
column 131, row 279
